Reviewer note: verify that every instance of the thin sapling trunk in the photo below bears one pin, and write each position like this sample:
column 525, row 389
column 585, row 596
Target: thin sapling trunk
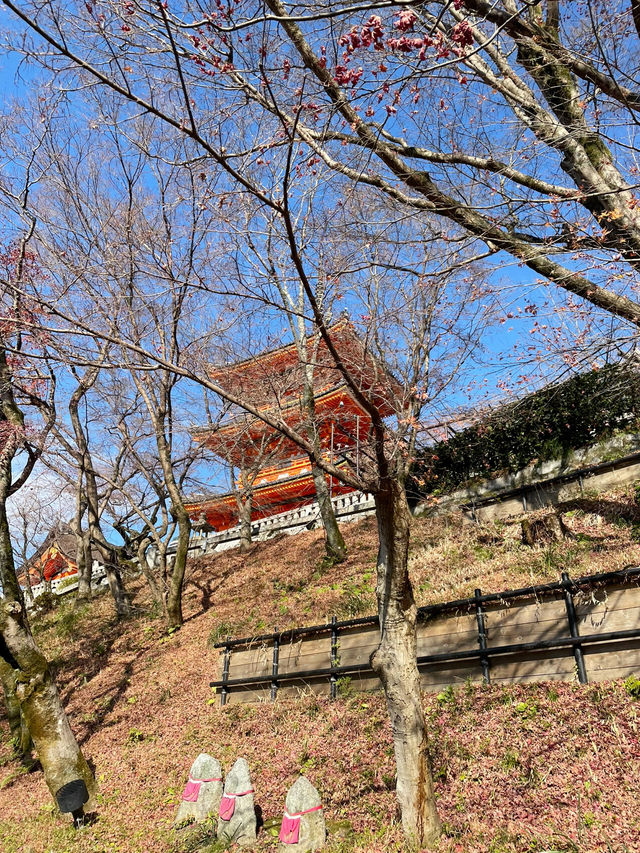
column 334, row 541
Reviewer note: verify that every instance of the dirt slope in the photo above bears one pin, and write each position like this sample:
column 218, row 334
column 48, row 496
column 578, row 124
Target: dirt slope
column 532, row 768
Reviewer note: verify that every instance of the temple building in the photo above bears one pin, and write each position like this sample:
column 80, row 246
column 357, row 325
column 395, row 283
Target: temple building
column 273, row 382
column 54, row 560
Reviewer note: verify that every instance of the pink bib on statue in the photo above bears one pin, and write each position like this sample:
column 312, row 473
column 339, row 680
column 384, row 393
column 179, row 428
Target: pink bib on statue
column 228, row 804
column 290, row 829
column 227, row 807
column 192, row 789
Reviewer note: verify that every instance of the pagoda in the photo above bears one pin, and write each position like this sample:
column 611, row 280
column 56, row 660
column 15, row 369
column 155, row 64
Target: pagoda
column 273, row 382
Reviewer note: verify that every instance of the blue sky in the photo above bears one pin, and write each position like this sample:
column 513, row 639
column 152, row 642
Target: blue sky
column 500, row 368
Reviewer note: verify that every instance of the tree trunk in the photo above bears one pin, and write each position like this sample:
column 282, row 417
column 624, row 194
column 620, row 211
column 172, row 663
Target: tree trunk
column 8, row 578
column 57, row 748
column 35, row 689
column 119, row 593
column 83, row 544
column 334, row 542
column 84, row 561
column 245, row 506
column 149, row 571
column 395, row 663
column 28, row 591
column 176, row 575
column 114, row 578
column 20, row 735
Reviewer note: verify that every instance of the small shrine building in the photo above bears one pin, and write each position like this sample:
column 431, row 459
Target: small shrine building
column 55, row 558
column 273, row 382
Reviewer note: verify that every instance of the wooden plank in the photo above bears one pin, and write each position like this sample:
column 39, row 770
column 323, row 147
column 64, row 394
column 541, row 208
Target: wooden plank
column 618, row 477
column 541, row 666
column 244, row 696
column 295, row 689
column 355, row 638
column 305, row 654
column 365, row 683
column 441, row 643
column 435, row 678
column 617, row 659
column 251, row 662
column 614, row 598
column 503, row 509
column 448, row 624
column 609, row 610
column 526, row 623
column 356, row 647
column 614, row 620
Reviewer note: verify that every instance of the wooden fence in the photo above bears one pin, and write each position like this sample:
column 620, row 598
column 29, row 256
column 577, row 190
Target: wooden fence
column 586, row 629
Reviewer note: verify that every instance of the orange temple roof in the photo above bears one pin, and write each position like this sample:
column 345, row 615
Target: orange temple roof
column 244, row 438
column 272, row 382
column 273, row 379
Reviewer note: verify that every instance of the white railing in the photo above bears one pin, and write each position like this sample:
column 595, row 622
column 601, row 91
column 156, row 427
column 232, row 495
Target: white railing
column 61, row 586
column 347, row 508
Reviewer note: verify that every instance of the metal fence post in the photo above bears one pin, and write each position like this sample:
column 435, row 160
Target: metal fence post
column 226, row 661
column 482, row 636
column 573, row 628
column 334, row 656
column 274, row 666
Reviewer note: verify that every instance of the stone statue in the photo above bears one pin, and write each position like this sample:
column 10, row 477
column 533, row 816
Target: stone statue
column 303, row 826
column 201, row 797
column 237, row 813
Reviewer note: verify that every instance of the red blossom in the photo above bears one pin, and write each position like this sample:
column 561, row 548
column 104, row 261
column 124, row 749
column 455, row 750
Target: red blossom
column 347, row 76
column 370, row 34
column 462, row 34
column 405, row 21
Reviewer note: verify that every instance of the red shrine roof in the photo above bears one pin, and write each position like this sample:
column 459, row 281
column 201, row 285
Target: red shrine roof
column 272, row 382
column 55, row 558
column 274, row 379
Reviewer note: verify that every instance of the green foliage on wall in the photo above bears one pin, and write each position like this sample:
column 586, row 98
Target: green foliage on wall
column 548, row 424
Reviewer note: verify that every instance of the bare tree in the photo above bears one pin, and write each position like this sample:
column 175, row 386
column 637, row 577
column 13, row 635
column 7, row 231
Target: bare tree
column 91, row 492
column 285, row 290
column 25, row 672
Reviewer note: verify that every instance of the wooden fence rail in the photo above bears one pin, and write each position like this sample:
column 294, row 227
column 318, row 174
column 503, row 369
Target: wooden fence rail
column 586, row 628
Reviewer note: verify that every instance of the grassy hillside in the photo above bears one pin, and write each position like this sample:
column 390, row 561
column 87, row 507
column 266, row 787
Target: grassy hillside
column 521, row 768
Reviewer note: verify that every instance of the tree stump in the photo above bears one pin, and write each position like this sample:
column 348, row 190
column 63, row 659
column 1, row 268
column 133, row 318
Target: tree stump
column 544, row 530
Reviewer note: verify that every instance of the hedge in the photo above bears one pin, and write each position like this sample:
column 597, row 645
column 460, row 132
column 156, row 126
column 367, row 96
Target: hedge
column 547, row 424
